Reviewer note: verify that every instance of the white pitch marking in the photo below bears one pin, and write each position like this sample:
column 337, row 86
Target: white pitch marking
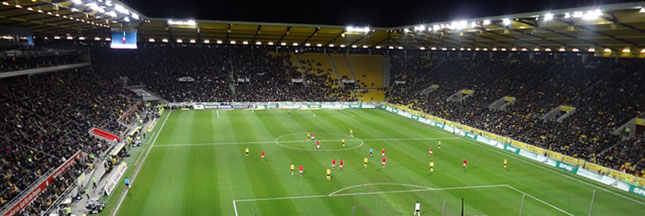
column 217, row 113
column 235, row 207
column 139, row 168
column 539, row 200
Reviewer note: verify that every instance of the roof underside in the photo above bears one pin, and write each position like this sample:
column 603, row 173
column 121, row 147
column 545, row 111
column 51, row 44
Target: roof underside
column 620, row 26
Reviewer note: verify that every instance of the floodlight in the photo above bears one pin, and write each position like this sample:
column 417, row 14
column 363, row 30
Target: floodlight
column 591, row 49
column 192, row 41
column 627, row 50
column 151, row 40
column 506, row 21
column 607, row 50
column 207, row 41
column 548, row 17
column 180, row 41
column 486, row 22
column 319, row 45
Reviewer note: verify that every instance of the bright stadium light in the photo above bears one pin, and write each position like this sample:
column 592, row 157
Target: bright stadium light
column 525, row 49
column 319, row 45
column 548, row 17
column 295, row 44
column 642, row 10
column 567, row 15
column 219, row 41
column 436, row 28
column 331, row 45
column 444, row 49
column 506, row 21
column 193, row 41
column 513, row 49
column 390, row 47
column 547, row 49
column 151, row 40
column 591, row 49
column 419, row 28
column 503, row 49
column 270, row 43
column 485, row 49
column 486, row 22
column 627, row 50
column 592, row 14
column 207, row 41
column 433, row 48
column 258, row 43
column 354, row 46
column 536, row 49
column 643, row 51
column 108, row 39
column 378, row 47
column 342, row 46
column 365, row 46
column 182, row 22
column 400, row 47
column 577, row 14
column 283, row 44
column 575, row 50
column 476, row 49
column 81, row 38
column 5, row 3
column 353, row 29
column 233, row 42
column 422, row 48
column 97, row 38
column 562, row 49
column 245, row 42
column 77, row 1
column 459, row 25
column 406, row 31
column 180, row 41
column 607, row 50
column 495, row 49
column 307, row 44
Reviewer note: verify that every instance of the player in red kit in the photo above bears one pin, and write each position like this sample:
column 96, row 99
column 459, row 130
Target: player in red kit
column 430, row 151
column 341, row 164
column 262, row 155
column 318, row 144
column 465, row 163
column 383, row 161
column 333, row 164
column 383, row 152
column 300, row 170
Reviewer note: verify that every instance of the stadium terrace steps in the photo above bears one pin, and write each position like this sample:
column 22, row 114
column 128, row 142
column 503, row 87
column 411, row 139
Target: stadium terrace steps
column 368, row 69
column 101, row 134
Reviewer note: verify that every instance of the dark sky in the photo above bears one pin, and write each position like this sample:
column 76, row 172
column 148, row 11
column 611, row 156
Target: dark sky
column 347, row 12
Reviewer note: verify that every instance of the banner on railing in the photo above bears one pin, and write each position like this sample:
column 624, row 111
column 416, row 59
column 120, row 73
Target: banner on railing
column 113, row 181
column 30, row 196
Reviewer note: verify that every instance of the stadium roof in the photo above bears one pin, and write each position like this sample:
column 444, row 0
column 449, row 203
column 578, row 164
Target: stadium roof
column 615, row 26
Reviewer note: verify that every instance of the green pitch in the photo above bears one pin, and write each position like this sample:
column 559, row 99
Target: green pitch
column 197, row 166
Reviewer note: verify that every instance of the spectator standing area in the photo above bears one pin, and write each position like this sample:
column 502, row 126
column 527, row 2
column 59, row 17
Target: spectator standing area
column 196, row 166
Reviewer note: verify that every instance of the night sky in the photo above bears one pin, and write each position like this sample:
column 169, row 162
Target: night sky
column 371, row 13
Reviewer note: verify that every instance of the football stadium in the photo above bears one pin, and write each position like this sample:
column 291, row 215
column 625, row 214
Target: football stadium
column 105, row 110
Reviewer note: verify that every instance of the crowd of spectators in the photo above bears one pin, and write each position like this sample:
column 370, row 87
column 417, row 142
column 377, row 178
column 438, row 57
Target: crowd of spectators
column 204, row 73
column 45, row 119
column 606, row 94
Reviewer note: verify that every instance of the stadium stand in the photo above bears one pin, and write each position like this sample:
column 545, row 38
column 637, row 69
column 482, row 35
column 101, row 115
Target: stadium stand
column 605, row 92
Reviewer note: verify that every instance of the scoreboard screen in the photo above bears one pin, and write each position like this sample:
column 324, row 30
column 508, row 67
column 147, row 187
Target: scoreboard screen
column 124, row 39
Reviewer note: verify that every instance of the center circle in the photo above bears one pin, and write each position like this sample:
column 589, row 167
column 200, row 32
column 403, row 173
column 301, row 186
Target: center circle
column 328, row 142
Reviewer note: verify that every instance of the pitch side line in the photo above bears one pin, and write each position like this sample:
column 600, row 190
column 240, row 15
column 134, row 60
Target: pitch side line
column 294, row 141
column 139, row 167
column 481, row 145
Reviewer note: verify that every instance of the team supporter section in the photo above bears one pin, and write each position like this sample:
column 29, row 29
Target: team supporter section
column 605, row 92
column 44, row 121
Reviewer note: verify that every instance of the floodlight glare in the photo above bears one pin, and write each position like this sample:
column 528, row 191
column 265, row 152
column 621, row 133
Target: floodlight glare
column 627, row 50
column 591, row 49
column 506, row 21
column 486, row 22
column 436, row 28
column 419, row 28
column 548, row 17
column 343, row 46
column 77, row 1
column 357, row 29
column 592, row 14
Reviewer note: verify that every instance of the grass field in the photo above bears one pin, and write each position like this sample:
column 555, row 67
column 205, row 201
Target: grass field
column 196, row 166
